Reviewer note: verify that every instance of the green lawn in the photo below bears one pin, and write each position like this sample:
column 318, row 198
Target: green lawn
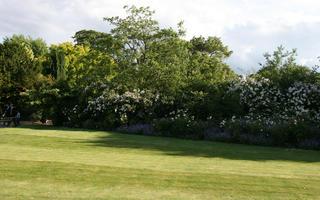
column 57, row 163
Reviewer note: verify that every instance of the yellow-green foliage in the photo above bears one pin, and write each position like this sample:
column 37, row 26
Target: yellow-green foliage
column 82, row 65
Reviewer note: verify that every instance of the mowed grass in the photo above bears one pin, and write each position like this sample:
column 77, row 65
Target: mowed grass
column 60, row 163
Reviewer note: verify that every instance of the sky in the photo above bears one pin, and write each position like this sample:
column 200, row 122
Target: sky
column 249, row 28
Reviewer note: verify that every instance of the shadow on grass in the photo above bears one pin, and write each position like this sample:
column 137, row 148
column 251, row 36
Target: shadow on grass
column 182, row 147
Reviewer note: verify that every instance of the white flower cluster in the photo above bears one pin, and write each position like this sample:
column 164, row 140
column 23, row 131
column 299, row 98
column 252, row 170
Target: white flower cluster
column 262, row 98
column 303, row 99
column 122, row 104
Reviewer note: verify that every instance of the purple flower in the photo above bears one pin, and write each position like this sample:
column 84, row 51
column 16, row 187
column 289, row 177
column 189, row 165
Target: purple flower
column 310, row 144
column 254, row 139
column 144, row 129
column 215, row 133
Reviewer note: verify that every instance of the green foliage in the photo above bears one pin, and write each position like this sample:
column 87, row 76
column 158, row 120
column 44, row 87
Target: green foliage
column 298, row 133
column 134, row 33
column 140, row 72
column 180, row 127
column 162, row 126
column 62, row 58
column 150, row 57
column 19, row 70
column 282, row 69
column 165, row 67
column 207, row 67
column 79, row 65
column 95, row 40
column 89, row 124
column 117, row 108
column 159, row 59
column 38, row 46
column 61, row 66
column 93, row 66
column 293, row 133
column 212, row 47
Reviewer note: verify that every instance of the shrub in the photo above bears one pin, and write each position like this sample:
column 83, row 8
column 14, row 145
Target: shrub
column 265, row 98
column 266, row 131
column 128, row 107
column 293, row 133
column 141, row 129
column 162, row 126
column 89, row 124
column 179, row 128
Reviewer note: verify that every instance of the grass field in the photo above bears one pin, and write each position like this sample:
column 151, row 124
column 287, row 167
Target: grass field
column 58, row 163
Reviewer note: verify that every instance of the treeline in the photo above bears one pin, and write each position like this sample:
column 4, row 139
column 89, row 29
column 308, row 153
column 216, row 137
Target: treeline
column 142, row 78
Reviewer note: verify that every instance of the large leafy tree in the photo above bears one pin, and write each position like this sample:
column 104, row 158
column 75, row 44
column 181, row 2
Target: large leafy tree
column 207, row 62
column 38, row 46
column 62, row 59
column 149, row 57
column 134, row 33
column 165, row 66
column 160, row 59
column 78, row 65
column 207, row 76
column 97, row 41
column 72, row 69
column 281, row 68
column 19, row 70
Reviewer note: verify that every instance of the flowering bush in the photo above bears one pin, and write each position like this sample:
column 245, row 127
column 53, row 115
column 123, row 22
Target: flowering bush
column 274, row 115
column 262, row 97
column 271, row 116
column 266, row 131
column 303, row 100
column 133, row 106
column 143, row 129
column 180, row 124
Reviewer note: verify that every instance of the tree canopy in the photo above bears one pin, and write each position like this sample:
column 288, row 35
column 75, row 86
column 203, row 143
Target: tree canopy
column 139, row 71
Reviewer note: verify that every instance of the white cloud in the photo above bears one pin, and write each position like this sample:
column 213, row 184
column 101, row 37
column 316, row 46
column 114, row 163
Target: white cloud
column 248, row 27
column 305, row 61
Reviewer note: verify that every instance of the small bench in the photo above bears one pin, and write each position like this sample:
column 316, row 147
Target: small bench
column 7, row 120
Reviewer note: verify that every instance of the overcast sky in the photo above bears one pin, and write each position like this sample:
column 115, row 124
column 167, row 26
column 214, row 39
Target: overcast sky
column 249, row 27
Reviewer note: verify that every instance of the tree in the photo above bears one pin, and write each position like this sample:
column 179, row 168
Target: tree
column 143, row 49
column 38, row 46
column 212, row 46
column 207, row 66
column 61, row 65
column 159, row 59
column 134, row 33
column 98, row 41
column 78, row 65
column 165, row 66
column 281, row 68
column 18, row 70
column 62, row 59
